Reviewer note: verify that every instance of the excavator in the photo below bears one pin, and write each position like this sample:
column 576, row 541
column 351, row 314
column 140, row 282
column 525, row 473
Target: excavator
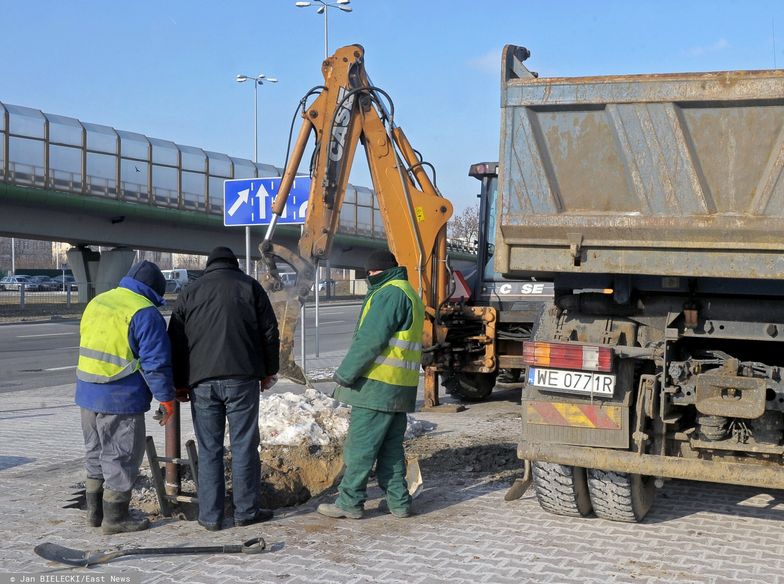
column 348, row 110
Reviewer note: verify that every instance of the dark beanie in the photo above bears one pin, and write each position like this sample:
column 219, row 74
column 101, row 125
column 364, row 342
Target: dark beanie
column 222, row 254
column 380, row 260
column 150, row 274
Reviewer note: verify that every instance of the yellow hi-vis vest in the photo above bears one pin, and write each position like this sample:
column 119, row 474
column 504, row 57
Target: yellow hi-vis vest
column 104, row 352
column 399, row 362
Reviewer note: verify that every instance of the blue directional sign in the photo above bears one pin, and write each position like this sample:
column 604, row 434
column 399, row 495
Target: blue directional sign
column 248, row 201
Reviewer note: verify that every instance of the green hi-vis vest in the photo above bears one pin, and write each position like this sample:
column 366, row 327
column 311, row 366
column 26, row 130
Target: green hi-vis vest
column 399, row 362
column 104, row 352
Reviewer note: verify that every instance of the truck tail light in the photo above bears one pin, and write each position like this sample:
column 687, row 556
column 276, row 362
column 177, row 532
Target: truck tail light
column 567, row 356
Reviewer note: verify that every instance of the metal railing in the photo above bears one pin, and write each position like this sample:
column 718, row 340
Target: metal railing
column 64, row 154
column 24, row 295
column 28, row 296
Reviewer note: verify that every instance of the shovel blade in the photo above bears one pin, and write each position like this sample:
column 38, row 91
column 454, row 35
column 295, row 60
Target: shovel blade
column 413, row 477
column 61, row 554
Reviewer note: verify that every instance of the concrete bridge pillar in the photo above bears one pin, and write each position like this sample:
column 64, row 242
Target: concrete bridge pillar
column 113, row 265
column 98, row 272
column 83, row 262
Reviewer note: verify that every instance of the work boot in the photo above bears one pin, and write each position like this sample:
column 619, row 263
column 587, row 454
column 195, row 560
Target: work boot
column 115, row 514
column 260, row 516
column 332, row 510
column 93, row 490
column 383, row 507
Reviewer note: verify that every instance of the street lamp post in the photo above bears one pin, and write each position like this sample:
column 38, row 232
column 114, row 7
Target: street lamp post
column 260, row 79
column 323, row 8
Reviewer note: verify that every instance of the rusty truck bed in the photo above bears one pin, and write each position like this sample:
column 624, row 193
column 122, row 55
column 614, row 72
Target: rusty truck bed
column 672, row 175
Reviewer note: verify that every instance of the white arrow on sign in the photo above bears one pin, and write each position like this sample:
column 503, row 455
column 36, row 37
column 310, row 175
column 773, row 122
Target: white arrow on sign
column 262, row 195
column 242, row 197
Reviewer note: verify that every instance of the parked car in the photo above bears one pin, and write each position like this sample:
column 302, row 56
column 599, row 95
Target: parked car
column 69, row 279
column 46, row 283
column 178, row 278
column 15, row 282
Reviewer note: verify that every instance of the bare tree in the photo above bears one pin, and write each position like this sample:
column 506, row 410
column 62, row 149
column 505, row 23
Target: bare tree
column 465, row 226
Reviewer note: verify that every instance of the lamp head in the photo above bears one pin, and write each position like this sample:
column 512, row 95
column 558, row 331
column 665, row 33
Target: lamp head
column 241, row 78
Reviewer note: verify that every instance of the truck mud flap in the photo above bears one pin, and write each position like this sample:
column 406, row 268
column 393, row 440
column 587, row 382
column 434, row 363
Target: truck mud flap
column 588, row 424
column 769, row 476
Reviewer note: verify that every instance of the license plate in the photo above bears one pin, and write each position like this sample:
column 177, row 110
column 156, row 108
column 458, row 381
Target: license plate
column 572, row 381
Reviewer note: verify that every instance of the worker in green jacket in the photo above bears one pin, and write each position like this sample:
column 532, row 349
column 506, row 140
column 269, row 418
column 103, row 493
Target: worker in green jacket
column 378, row 378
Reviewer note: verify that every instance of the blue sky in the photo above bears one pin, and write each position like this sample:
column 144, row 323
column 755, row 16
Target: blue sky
column 166, row 68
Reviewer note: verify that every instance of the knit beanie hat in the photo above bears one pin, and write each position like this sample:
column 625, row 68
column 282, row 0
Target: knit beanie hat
column 150, row 274
column 380, row 260
column 223, row 254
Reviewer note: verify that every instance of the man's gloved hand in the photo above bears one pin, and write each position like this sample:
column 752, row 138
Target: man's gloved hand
column 268, row 382
column 167, row 413
column 182, row 394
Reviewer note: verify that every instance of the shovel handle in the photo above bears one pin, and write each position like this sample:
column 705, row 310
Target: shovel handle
column 252, row 546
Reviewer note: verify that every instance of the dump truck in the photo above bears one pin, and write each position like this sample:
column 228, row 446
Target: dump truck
column 653, row 203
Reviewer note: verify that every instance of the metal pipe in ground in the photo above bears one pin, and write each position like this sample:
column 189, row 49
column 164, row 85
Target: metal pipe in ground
column 172, row 450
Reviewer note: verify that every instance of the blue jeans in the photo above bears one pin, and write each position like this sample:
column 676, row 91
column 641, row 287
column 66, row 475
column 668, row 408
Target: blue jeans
column 212, row 402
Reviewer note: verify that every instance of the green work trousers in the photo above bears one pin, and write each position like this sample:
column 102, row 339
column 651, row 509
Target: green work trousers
column 374, row 436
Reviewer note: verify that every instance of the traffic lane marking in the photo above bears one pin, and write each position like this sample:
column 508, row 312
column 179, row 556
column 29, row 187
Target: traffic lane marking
column 46, row 335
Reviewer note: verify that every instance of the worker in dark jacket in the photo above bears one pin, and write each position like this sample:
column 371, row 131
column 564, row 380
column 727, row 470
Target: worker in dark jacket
column 225, row 348
column 378, row 378
column 124, row 361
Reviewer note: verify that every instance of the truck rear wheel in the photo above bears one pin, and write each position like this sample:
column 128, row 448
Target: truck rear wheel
column 561, row 489
column 620, row 496
column 472, row 386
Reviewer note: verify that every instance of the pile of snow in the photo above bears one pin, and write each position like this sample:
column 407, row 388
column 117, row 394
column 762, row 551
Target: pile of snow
column 312, row 419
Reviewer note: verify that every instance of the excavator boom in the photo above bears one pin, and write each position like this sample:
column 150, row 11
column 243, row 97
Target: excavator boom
column 349, row 110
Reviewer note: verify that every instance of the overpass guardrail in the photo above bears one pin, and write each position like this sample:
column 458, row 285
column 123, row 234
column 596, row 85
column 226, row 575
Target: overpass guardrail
column 67, row 155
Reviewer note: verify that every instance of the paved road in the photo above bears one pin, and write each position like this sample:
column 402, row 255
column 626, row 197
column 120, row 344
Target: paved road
column 37, row 354
column 464, row 531
column 44, row 354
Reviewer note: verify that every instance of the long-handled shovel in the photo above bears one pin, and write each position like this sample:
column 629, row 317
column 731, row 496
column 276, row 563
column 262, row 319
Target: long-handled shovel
column 64, row 555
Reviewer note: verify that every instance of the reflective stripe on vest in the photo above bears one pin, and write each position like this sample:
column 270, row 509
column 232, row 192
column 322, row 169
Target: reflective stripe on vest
column 104, row 352
column 399, row 362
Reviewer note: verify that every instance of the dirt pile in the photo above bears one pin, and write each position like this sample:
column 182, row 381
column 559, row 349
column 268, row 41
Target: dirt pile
column 302, row 439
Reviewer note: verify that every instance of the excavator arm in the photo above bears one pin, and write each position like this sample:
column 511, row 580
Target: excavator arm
column 349, row 110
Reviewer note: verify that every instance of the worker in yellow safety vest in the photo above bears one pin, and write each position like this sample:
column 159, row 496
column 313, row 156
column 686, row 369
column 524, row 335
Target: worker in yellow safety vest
column 124, row 361
column 379, row 378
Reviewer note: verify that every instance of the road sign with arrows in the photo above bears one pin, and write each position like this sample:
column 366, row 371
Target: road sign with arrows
column 248, row 201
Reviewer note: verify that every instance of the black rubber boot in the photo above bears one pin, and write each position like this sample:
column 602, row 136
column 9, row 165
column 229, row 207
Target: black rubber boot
column 94, row 494
column 115, row 514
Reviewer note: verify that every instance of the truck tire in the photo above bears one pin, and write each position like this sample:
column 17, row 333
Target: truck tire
column 473, row 386
column 620, row 496
column 561, row 489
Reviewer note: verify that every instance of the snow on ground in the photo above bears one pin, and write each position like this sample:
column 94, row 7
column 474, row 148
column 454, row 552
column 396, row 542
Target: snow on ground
column 323, row 374
column 313, row 418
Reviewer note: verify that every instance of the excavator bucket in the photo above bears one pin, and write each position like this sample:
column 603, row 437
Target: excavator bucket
column 287, row 302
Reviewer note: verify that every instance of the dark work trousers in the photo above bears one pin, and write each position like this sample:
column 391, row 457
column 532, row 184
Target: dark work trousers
column 212, row 402
column 114, row 448
column 374, row 436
